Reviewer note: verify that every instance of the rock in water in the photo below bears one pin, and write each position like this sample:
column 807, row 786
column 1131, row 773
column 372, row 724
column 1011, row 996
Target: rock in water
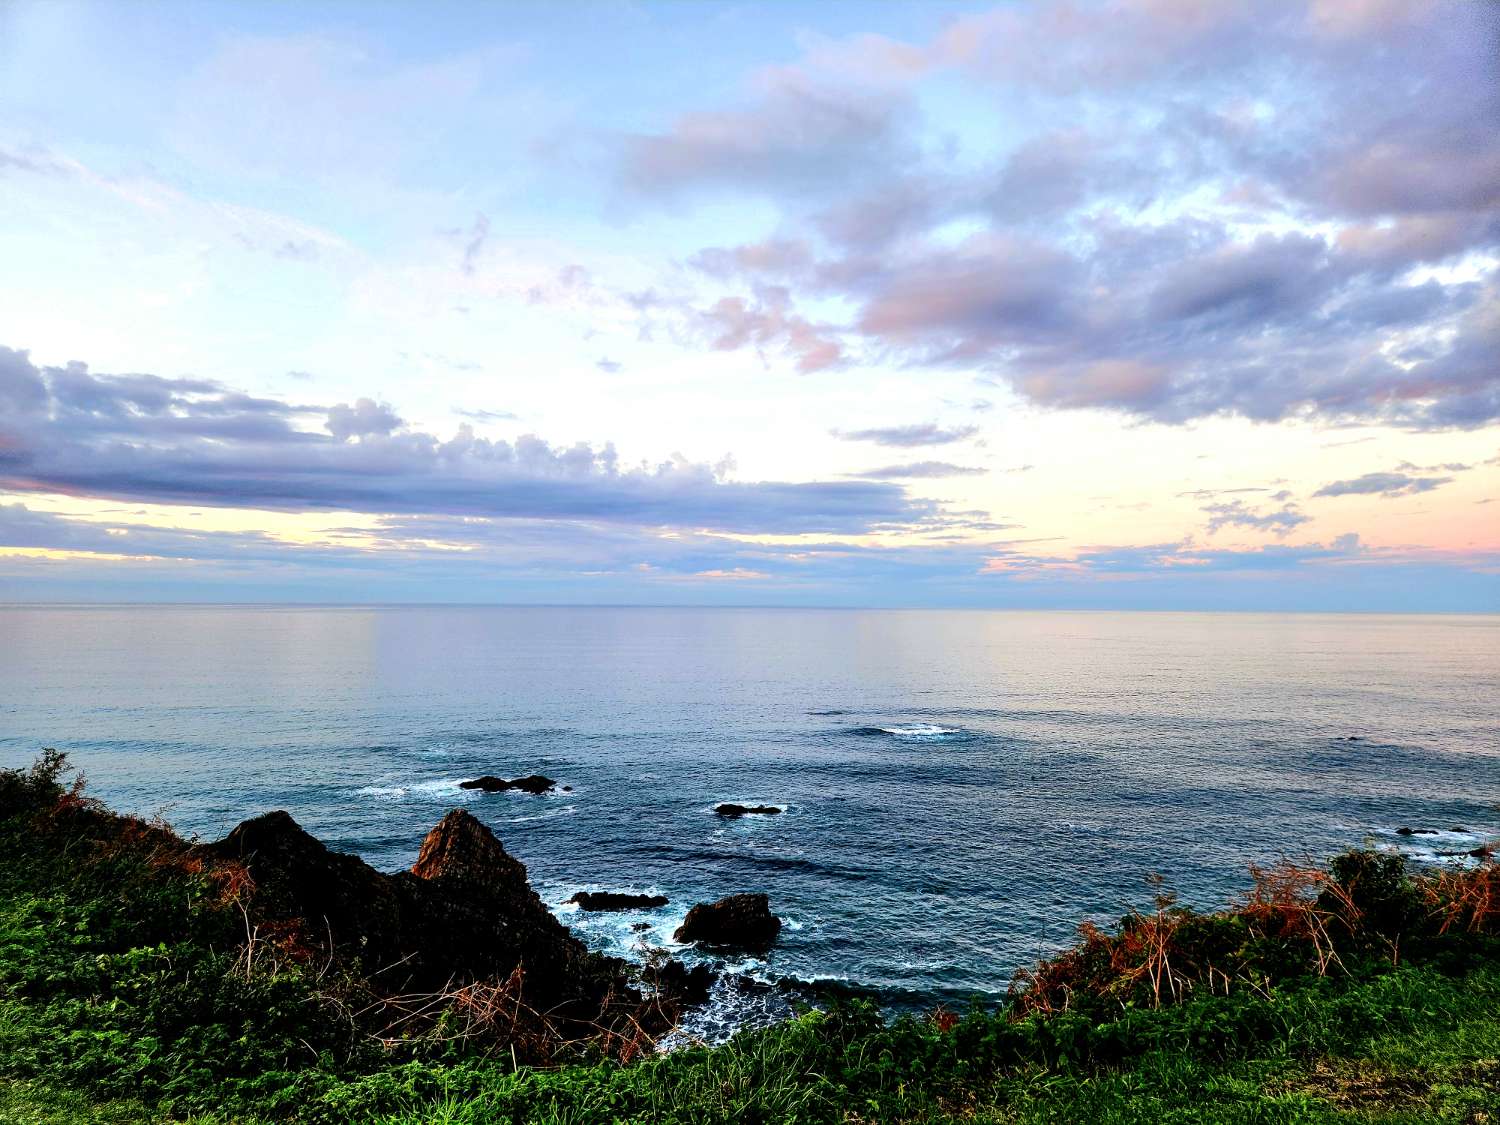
column 535, row 784
column 732, row 810
column 489, row 783
column 736, row 922
column 610, row 900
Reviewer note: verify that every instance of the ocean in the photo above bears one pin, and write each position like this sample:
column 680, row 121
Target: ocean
column 960, row 788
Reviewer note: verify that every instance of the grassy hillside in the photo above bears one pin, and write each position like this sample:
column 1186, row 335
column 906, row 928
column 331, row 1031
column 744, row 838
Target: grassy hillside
column 135, row 987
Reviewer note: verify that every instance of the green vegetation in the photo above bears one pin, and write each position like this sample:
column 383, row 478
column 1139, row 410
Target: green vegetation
column 133, row 988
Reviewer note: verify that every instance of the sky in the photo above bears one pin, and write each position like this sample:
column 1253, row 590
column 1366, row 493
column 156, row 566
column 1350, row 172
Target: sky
column 1130, row 304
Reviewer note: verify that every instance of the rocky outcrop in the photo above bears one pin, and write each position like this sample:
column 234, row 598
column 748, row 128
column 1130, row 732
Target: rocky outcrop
column 464, row 911
column 732, row 810
column 535, row 784
column 611, row 900
column 737, row 922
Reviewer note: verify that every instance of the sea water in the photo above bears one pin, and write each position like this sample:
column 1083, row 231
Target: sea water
column 960, row 788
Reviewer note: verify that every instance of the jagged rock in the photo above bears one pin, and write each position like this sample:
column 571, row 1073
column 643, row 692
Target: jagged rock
column 464, row 912
column 675, row 980
column 534, row 784
column 1416, row 832
column 463, row 915
column 737, row 922
column 461, row 850
column 611, row 900
column 732, row 810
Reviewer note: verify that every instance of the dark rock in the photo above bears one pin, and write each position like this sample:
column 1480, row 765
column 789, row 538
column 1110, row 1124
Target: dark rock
column 609, row 900
column 1416, row 832
column 640, row 927
column 464, row 914
column 676, row 981
column 535, row 784
column 731, row 810
column 464, row 911
column 736, row 922
column 489, row 783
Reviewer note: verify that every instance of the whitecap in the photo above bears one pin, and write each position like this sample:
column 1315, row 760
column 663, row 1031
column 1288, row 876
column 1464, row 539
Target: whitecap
column 921, row 730
column 446, row 789
column 387, row 791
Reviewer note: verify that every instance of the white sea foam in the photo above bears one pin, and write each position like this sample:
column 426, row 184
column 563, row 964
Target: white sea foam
column 921, row 730
column 446, row 789
column 1450, row 846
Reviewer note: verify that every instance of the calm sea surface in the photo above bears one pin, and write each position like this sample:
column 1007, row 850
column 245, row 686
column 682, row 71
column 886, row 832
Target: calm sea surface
column 960, row 787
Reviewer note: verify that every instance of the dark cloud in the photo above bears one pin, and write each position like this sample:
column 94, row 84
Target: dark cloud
column 921, row 470
column 193, row 441
column 911, row 436
column 1388, row 485
column 1227, row 225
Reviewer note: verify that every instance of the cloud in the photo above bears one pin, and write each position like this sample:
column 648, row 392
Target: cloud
column 1236, row 513
column 734, row 574
column 801, row 134
column 910, row 436
column 474, row 245
column 768, row 320
column 366, row 418
column 35, row 161
column 1388, row 485
column 1272, row 212
column 194, row 441
column 921, row 470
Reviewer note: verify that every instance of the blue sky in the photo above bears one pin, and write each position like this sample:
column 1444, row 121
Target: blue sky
column 1135, row 303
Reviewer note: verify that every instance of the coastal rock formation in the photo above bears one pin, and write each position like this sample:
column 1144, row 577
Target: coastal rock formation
column 611, row 900
column 534, row 784
column 733, row 810
column 1416, row 832
column 464, row 911
column 737, row 922
column 462, row 927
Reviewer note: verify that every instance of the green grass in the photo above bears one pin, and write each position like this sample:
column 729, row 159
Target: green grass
column 125, row 999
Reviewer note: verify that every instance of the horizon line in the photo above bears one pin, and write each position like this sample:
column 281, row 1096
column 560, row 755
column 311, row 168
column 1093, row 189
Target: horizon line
column 13, row 605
